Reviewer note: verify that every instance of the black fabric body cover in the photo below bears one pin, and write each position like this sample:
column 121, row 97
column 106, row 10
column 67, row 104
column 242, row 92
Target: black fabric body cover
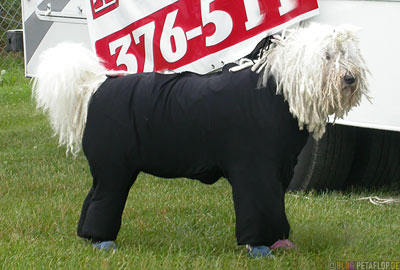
column 197, row 126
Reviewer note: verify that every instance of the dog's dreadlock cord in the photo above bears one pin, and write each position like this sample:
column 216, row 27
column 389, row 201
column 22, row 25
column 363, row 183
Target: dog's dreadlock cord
column 257, row 59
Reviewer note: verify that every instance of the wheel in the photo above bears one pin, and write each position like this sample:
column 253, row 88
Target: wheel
column 325, row 164
column 377, row 159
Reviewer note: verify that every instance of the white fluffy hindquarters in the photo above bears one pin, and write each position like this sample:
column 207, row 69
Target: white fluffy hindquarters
column 67, row 77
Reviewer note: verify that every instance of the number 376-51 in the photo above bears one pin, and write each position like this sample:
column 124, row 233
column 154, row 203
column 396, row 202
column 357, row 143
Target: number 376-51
column 171, row 37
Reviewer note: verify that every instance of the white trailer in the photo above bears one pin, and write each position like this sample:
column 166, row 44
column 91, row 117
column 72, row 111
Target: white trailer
column 363, row 148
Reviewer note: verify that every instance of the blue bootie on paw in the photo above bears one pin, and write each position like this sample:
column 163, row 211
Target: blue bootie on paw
column 106, row 245
column 259, row 251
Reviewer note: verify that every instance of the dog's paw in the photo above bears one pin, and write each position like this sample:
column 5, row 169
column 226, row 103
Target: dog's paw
column 284, row 244
column 259, row 252
column 106, row 245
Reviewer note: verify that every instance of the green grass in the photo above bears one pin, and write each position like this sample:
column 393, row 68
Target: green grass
column 167, row 224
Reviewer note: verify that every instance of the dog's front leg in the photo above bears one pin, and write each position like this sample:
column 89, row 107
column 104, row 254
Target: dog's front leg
column 258, row 198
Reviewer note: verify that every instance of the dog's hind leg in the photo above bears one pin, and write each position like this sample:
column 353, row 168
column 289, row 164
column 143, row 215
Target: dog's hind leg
column 109, row 150
column 258, row 197
column 102, row 209
column 85, row 207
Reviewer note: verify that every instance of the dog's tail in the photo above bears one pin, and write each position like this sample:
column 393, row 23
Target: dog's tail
column 67, row 77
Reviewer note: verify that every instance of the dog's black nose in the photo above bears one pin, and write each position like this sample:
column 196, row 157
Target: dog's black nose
column 349, row 79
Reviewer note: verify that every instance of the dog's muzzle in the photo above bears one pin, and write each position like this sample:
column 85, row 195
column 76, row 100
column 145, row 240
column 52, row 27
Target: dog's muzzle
column 349, row 79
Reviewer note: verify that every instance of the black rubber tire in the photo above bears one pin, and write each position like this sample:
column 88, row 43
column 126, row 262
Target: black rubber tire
column 377, row 159
column 325, row 164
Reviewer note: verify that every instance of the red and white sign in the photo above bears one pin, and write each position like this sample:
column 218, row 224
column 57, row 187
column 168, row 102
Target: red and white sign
column 196, row 35
column 101, row 7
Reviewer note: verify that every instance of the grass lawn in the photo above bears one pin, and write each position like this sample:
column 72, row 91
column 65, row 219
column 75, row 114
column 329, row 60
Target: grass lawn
column 167, row 224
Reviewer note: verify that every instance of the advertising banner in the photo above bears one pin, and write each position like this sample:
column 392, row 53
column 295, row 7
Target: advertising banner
column 195, row 35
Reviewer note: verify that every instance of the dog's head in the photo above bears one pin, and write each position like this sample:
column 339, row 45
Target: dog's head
column 344, row 78
column 320, row 71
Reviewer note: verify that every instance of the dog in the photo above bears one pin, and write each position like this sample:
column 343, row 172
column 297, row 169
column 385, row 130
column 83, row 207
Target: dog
column 246, row 123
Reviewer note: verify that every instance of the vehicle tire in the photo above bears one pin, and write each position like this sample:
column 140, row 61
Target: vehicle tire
column 376, row 160
column 325, row 164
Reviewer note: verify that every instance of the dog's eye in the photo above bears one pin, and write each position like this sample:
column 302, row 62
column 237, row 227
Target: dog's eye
column 328, row 56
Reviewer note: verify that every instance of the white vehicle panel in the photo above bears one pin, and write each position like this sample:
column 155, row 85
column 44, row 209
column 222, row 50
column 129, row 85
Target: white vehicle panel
column 49, row 22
